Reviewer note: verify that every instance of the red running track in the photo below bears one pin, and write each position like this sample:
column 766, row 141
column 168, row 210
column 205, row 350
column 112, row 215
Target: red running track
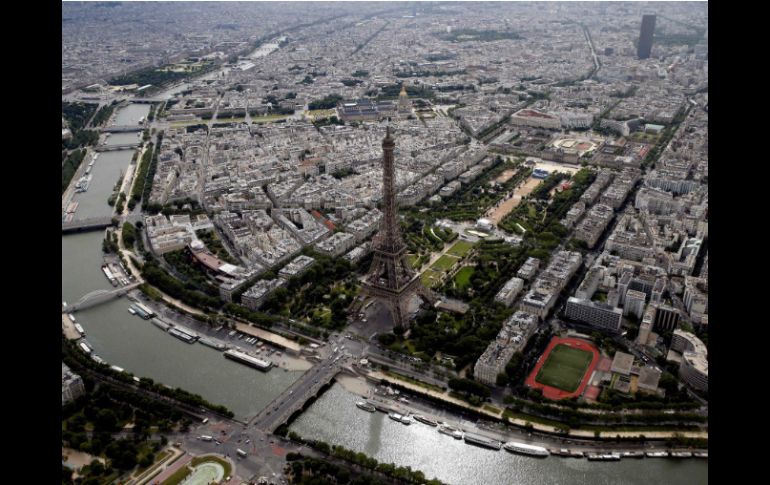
column 554, row 393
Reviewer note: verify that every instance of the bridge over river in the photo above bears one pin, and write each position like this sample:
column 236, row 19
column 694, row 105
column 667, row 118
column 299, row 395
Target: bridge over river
column 97, row 297
column 95, row 223
column 295, row 396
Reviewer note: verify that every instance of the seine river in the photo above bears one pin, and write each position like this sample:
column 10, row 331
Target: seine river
column 144, row 350
column 333, row 418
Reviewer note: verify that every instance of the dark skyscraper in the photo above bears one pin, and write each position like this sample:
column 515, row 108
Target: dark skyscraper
column 645, row 36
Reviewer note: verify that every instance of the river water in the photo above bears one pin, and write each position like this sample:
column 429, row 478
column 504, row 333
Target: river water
column 135, row 344
column 144, row 350
column 333, row 418
column 107, row 170
column 131, row 114
column 123, row 138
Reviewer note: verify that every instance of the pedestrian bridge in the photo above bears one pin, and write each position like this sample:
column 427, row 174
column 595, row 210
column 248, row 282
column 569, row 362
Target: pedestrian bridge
column 97, row 297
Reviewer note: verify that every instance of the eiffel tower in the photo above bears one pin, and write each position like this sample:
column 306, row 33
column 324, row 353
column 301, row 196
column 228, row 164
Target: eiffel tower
column 390, row 279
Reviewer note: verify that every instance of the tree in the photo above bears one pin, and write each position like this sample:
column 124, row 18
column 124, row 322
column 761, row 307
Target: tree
column 66, row 475
column 106, row 420
column 669, row 383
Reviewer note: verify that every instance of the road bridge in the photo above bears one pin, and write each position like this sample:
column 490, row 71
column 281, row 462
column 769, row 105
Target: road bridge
column 90, row 224
column 98, row 297
column 122, row 129
column 110, row 148
column 295, row 396
column 96, row 223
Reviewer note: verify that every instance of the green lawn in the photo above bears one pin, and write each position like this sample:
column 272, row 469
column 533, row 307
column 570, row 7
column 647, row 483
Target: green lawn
column 564, row 368
column 430, row 278
column 463, row 277
column 460, row 249
column 444, row 263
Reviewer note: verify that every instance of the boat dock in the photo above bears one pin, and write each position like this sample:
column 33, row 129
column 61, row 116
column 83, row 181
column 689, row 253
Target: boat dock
column 477, row 439
column 210, row 343
column 160, row 323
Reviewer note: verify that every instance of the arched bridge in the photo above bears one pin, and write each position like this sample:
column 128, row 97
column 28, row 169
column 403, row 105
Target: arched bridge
column 98, row 297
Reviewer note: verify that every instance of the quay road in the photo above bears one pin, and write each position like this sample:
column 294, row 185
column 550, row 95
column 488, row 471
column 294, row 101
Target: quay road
column 295, row 396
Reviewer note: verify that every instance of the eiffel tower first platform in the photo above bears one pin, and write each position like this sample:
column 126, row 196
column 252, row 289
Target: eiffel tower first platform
column 390, row 279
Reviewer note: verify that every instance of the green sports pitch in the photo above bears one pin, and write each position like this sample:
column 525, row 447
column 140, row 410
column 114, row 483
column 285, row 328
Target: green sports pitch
column 564, row 368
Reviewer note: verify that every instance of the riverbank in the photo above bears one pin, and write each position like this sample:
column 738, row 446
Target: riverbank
column 355, row 385
column 68, row 326
column 291, row 363
column 335, row 419
column 498, row 416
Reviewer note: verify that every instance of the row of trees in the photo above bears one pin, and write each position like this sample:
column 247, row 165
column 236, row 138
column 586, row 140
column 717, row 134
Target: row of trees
column 404, row 474
column 129, row 234
column 104, row 114
column 574, row 417
column 141, row 176
column 147, row 189
column 70, row 166
column 313, row 471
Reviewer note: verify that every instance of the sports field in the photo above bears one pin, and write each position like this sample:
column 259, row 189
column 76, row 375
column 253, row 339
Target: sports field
column 564, row 368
